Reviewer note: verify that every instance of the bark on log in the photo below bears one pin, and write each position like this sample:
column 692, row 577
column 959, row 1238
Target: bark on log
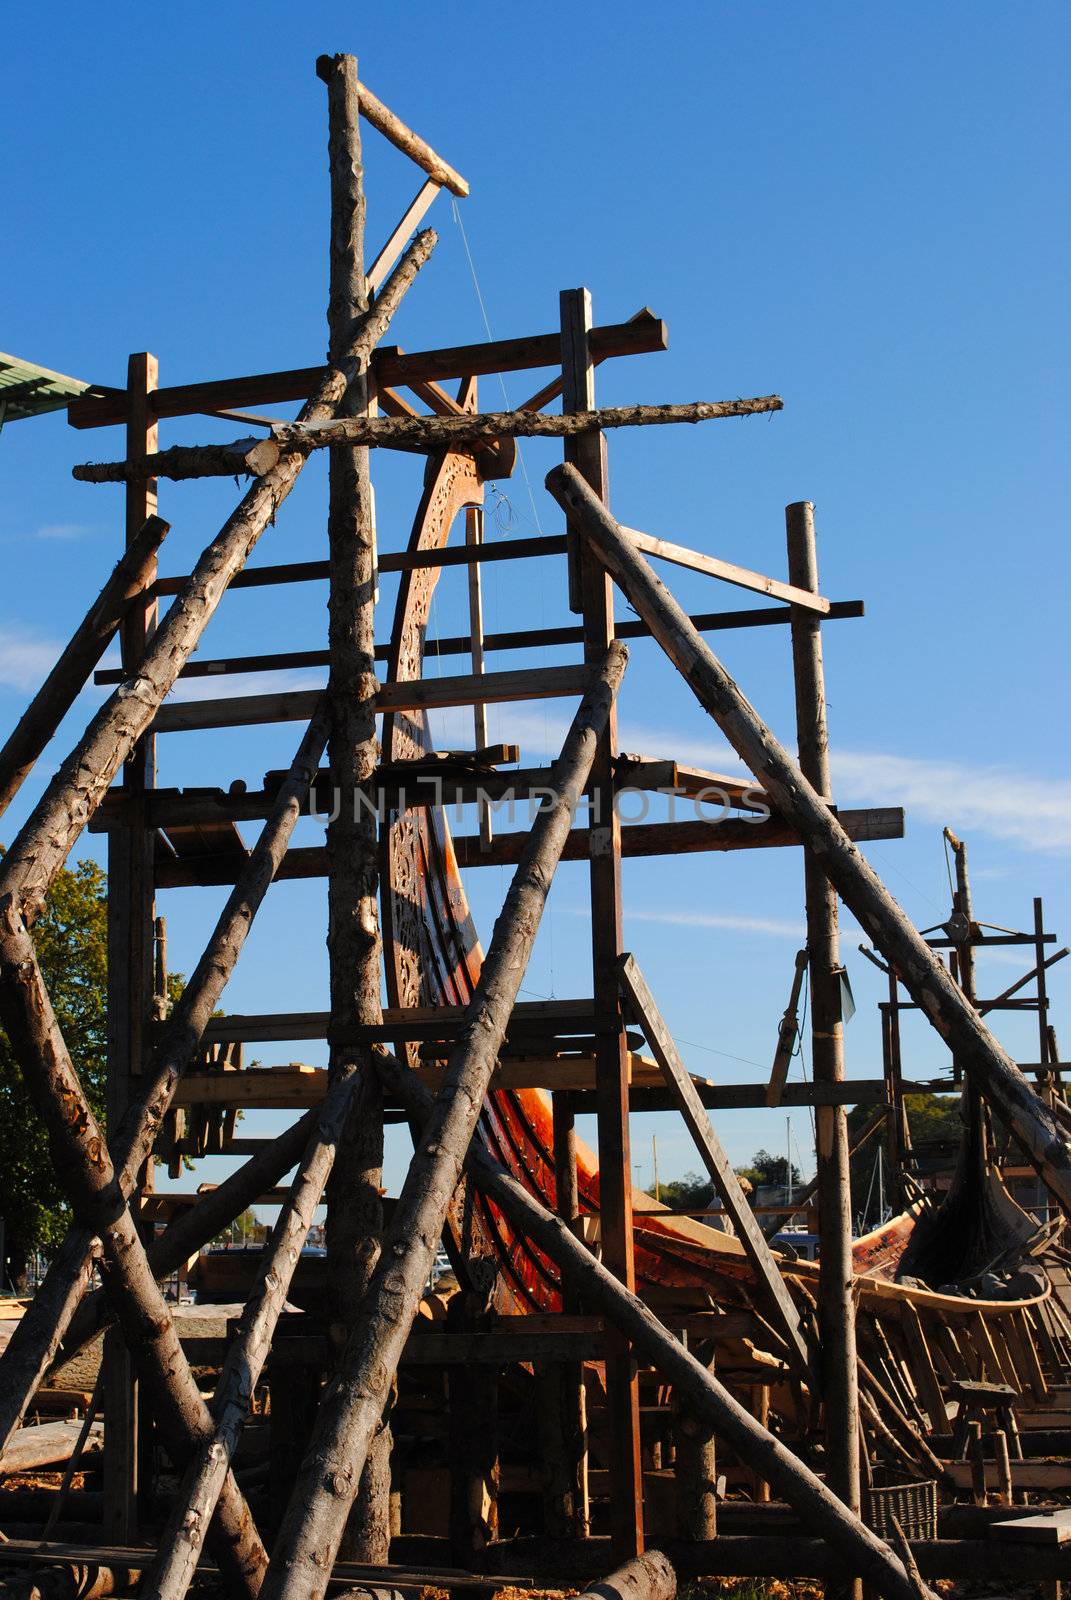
column 134, row 570
column 39, row 1333
column 81, row 1160
column 355, row 1209
column 184, row 1535
column 410, row 143
column 696, row 1388
column 198, row 1225
column 859, row 886
column 78, row 787
column 407, row 433
column 315, row 1519
column 647, row 1577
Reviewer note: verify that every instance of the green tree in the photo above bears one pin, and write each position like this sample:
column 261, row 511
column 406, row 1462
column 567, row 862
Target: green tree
column 934, row 1119
column 690, row 1193
column 765, row 1171
column 72, row 947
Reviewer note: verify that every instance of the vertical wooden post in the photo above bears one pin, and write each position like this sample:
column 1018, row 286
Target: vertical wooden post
column 836, row 1307
column 475, row 1471
column 695, row 1469
column 587, row 452
column 1044, row 1056
column 131, row 960
column 562, row 1402
column 474, row 536
column 355, row 1210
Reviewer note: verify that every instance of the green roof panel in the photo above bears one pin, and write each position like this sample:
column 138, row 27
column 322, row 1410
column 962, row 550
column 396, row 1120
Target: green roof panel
column 27, row 390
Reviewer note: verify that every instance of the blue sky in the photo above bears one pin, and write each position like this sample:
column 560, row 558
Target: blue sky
column 855, row 207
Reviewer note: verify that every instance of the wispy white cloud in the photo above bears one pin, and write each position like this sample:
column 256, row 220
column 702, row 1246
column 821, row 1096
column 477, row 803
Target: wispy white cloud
column 62, row 530
column 774, row 926
column 228, row 686
column 24, row 658
column 1018, row 807
column 1024, row 809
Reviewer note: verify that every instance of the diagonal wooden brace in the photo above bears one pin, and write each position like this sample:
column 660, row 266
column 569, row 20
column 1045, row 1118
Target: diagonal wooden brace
column 43, row 844
column 40, row 1332
column 330, row 1474
column 85, row 1169
column 799, row 803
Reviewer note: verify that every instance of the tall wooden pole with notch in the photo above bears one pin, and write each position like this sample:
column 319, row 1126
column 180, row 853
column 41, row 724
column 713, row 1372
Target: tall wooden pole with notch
column 355, row 1210
column 836, row 1307
column 591, row 591
column 131, row 925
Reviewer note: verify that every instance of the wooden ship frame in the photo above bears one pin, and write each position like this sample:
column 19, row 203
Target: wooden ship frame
column 648, row 1356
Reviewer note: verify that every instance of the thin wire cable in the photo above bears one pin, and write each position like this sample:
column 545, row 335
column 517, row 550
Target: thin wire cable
column 487, row 328
column 481, row 302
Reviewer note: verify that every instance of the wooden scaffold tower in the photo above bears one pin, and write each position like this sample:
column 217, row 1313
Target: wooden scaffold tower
column 648, row 1350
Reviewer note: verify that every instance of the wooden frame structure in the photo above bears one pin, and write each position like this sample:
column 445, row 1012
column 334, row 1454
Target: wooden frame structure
column 176, row 1078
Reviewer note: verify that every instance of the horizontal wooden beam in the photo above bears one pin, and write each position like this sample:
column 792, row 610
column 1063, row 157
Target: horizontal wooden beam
column 686, row 838
column 409, row 143
column 469, row 431
column 713, row 567
column 390, row 365
column 752, row 1096
column 461, row 644
column 241, row 711
column 544, row 1017
column 396, row 561
column 443, row 784
column 637, row 840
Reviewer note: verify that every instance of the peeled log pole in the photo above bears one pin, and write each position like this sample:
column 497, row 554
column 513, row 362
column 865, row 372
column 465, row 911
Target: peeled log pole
column 38, row 1335
column 135, row 569
column 646, row 1577
column 81, row 1160
column 84, row 778
column 198, row 1225
column 354, row 1230
column 859, row 886
column 349, row 1415
column 696, row 1389
column 184, row 1535
column 405, row 433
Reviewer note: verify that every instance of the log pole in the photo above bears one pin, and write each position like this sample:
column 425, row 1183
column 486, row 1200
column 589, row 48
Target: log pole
column 461, row 432
column 836, row 1306
column 695, row 1388
column 647, row 1577
column 39, row 1333
column 330, row 1475
column 133, row 574
column 183, row 1537
column 84, row 778
column 81, row 1161
column 355, row 1209
column 859, row 886
column 591, row 591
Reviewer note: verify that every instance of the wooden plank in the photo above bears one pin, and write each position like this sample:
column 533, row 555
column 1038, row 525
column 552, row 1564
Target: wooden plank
column 1047, row 1527
column 637, row 840
column 388, row 561
column 390, row 366
column 537, row 1017
column 396, row 240
column 48, row 1444
column 713, row 567
column 461, row 644
column 1025, row 1474
column 714, row 1158
column 239, row 711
